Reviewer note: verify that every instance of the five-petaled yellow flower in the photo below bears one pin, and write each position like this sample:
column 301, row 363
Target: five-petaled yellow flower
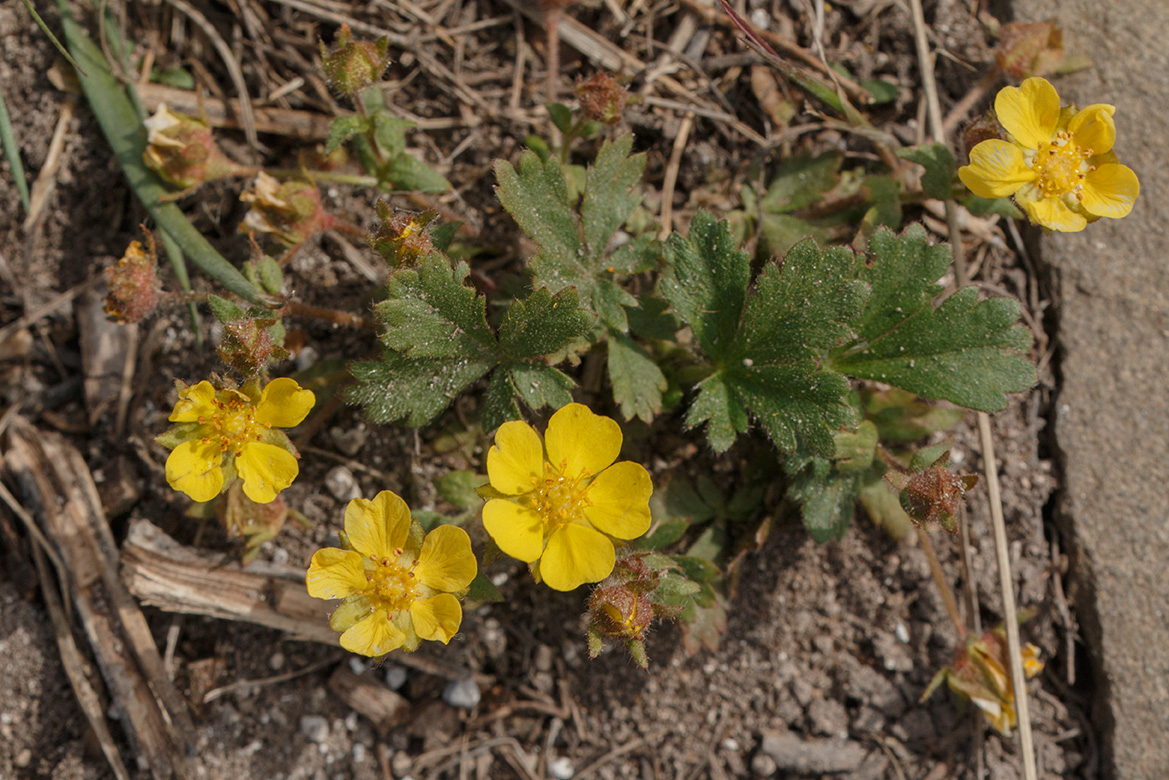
column 1058, row 163
column 558, row 502
column 225, row 433
column 398, row 587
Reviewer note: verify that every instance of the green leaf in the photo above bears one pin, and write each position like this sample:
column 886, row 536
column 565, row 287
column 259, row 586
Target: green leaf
column 12, row 153
column 882, row 91
column 801, row 181
column 901, row 416
column 543, row 324
column 609, row 193
column 344, row 128
column 390, row 134
column 982, row 207
column 637, row 381
column 855, row 451
column 666, row 534
column 561, row 116
column 966, row 351
column 780, row 232
column 224, row 310
column 407, row 172
column 706, row 281
column 432, row 313
column 540, row 385
column 883, row 505
column 499, row 403
column 536, row 195
column 765, row 345
column 940, row 168
column 415, row 390
column 826, row 499
column 458, row 488
column 271, row 275
column 885, row 196
column 126, row 135
column 929, row 456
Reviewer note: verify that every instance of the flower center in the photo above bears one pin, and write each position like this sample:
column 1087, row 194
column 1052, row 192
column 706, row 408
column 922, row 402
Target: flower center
column 1061, row 167
column 391, row 585
column 560, row 499
column 235, row 424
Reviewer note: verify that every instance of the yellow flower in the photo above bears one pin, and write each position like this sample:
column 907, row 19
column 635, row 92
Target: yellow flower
column 560, row 501
column 398, row 588
column 225, row 433
column 1058, row 163
column 979, row 673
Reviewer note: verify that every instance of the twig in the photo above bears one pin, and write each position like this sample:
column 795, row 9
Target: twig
column 231, row 63
column 47, row 176
column 1010, row 618
column 46, row 308
column 617, row 752
column 671, row 178
column 240, row 685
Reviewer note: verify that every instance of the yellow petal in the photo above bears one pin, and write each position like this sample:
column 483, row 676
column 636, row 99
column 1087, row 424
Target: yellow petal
column 194, row 402
column 194, row 468
column 515, row 465
column 446, row 562
column 437, row 618
column 378, row 527
column 1110, row 191
column 335, row 574
column 580, row 442
column 284, row 403
column 265, row 469
column 576, row 555
column 996, row 170
column 1053, row 214
column 1029, row 113
column 1093, row 128
column 517, row 530
column 375, row 635
column 620, row 500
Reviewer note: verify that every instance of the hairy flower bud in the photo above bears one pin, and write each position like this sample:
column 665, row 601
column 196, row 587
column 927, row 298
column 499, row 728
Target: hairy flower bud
column 291, row 212
column 602, row 99
column 934, row 495
column 133, row 283
column 401, row 239
column 182, row 150
column 350, row 66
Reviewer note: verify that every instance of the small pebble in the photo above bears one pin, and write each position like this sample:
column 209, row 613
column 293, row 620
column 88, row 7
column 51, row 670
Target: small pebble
column 315, row 728
column 342, row 485
column 761, row 19
column 305, row 359
column 358, row 753
column 763, row 765
column 23, row 758
column 901, row 632
column 356, row 665
column 395, row 677
column 351, row 722
column 276, row 662
column 280, row 556
column 462, row 693
column 561, row 768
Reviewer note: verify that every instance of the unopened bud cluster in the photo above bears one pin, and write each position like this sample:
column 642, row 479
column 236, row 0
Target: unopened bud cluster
column 350, row 66
column 182, row 151
column 290, row 211
column 643, row 586
column 402, row 239
column 602, row 99
column 134, row 290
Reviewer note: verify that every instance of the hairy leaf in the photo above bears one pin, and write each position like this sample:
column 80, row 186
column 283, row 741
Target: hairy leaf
column 543, row 324
column 414, row 390
column 637, row 381
column 940, row 168
column 766, row 343
column 966, row 351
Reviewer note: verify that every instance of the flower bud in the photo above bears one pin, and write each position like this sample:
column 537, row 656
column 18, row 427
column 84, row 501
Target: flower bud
column 602, row 99
column 248, row 345
column 350, row 66
column 402, row 240
column 934, row 495
column 133, row 283
column 291, row 212
column 182, row 150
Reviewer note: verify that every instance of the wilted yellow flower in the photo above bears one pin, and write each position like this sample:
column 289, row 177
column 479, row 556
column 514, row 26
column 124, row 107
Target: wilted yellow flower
column 980, row 673
column 1058, row 163
column 398, row 587
column 290, row 211
column 556, row 504
column 225, row 433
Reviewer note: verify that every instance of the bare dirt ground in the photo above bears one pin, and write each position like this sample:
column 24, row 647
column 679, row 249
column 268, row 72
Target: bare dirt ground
column 832, row 644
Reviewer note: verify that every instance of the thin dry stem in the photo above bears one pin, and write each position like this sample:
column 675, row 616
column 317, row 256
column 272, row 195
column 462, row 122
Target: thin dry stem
column 1010, row 617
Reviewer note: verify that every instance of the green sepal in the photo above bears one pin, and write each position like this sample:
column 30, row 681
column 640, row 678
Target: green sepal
column 483, row 589
column 351, row 611
column 179, row 433
column 931, row 456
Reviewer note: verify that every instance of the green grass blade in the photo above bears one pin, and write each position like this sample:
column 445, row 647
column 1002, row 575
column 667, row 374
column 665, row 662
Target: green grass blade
column 12, row 152
column 49, row 33
column 127, row 137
